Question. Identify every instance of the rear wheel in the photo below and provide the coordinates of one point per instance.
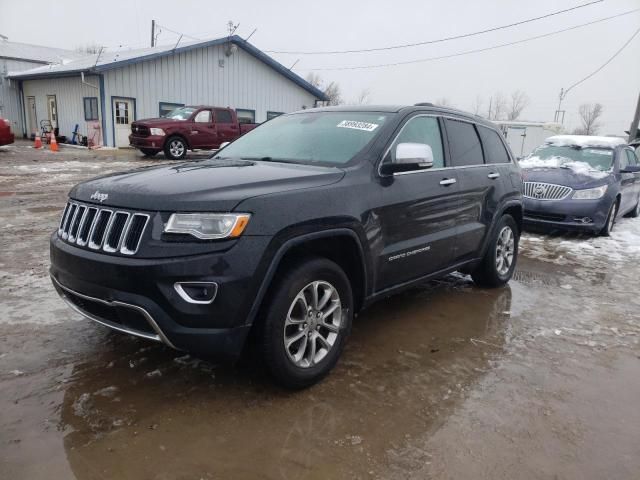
(497, 266)
(611, 220)
(307, 322)
(636, 211)
(175, 148)
(147, 152)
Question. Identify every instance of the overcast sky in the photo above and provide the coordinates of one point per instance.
(540, 67)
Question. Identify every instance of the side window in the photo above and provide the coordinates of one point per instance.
(632, 158)
(203, 117)
(464, 144)
(494, 149)
(245, 115)
(223, 116)
(422, 130)
(623, 160)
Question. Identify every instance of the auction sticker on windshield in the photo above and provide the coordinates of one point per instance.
(367, 127)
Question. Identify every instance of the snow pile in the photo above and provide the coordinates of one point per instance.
(581, 168)
(584, 141)
(620, 248)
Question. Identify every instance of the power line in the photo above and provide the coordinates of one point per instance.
(605, 63)
(177, 33)
(439, 40)
(477, 50)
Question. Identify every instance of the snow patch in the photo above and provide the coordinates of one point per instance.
(585, 141)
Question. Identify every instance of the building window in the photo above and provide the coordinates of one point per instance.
(90, 108)
(246, 116)
(166, 107)
(271, 115)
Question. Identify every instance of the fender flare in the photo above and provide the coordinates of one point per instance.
(176, 134)
(496, 218)
(275, 261)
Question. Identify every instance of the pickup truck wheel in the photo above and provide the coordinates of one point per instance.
(148, 152)
(497, 266)
(175, 148)
(307, 323)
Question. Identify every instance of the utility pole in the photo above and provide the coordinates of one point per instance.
(633, 130)
(559, 116)
(153, 33)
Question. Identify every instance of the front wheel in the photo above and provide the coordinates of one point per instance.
(175, 148)
(499, 262)
(307, 322)
(611, 220)
(147, 152)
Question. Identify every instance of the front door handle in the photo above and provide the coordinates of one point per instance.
(493, 175)
(447, 181)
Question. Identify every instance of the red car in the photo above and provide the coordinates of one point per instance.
(187, 128)
(6, 136)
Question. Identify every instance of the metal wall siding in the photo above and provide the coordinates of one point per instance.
(195, 78)
(69, 92)
(10, 107)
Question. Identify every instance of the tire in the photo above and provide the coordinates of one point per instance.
(495, 269)
(175, 148)
(635, 213)
(285, 322)
(148, 152)
(611, 220)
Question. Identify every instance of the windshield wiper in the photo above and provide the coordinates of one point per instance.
(269, 159)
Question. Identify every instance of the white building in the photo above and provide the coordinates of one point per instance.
(524, 137)
(104, 93)
(18, 57)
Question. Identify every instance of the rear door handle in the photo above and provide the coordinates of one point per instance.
(493, 175)
(447, 181)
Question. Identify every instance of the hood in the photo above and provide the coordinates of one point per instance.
(575, 178)
(208, 185)
(152, 122)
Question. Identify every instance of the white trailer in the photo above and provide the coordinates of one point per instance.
(524, 137)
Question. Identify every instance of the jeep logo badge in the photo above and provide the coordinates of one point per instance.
(101, 197)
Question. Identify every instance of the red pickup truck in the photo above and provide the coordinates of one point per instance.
(6, 136)
(187, 128)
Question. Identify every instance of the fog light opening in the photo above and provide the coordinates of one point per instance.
(202, 293)
(584, 220)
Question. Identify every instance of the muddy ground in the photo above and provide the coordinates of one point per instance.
(540, 379)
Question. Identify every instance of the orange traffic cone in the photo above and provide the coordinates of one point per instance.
(53, 145)
(38, 142)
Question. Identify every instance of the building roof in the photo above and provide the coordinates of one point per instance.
(109, 60)
(36, 53)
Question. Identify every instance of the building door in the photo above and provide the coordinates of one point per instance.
(52, 108)
(32, 117)
(123, 115)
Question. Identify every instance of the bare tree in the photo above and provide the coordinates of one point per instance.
(443, 102)
(497, 106)
(589, 115)
(518, 102)
(331, 90)
(363, 97)
(90, 48)
(476, 106)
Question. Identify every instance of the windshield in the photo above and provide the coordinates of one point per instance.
(182, 113)
(314, 137)
(597, 159)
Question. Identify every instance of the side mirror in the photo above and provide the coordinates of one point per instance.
(631, 169)
(410, 156)
(223, 144)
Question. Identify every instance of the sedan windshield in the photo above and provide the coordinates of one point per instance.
(313, 137)
(182, 113)
(598, 159)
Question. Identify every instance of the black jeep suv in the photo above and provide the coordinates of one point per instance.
(291, 230)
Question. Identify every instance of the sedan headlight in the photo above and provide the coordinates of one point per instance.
(590, 193)
(157, 131)
(208, 226)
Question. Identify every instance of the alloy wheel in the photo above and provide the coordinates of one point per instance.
(313, 323)
(176, 147)
(505, 248)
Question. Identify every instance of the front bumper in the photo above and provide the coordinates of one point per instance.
(569, 214)
(137, 296)
(152, 142)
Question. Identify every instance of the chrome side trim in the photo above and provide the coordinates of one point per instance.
(178, 287)
(159, 337)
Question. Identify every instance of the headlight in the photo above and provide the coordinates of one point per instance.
(590, 193)
(157, 131)
(208, 226)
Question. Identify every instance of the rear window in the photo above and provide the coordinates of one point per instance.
(464, 144)
(494, 149)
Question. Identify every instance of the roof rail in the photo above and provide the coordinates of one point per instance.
(424, 104)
